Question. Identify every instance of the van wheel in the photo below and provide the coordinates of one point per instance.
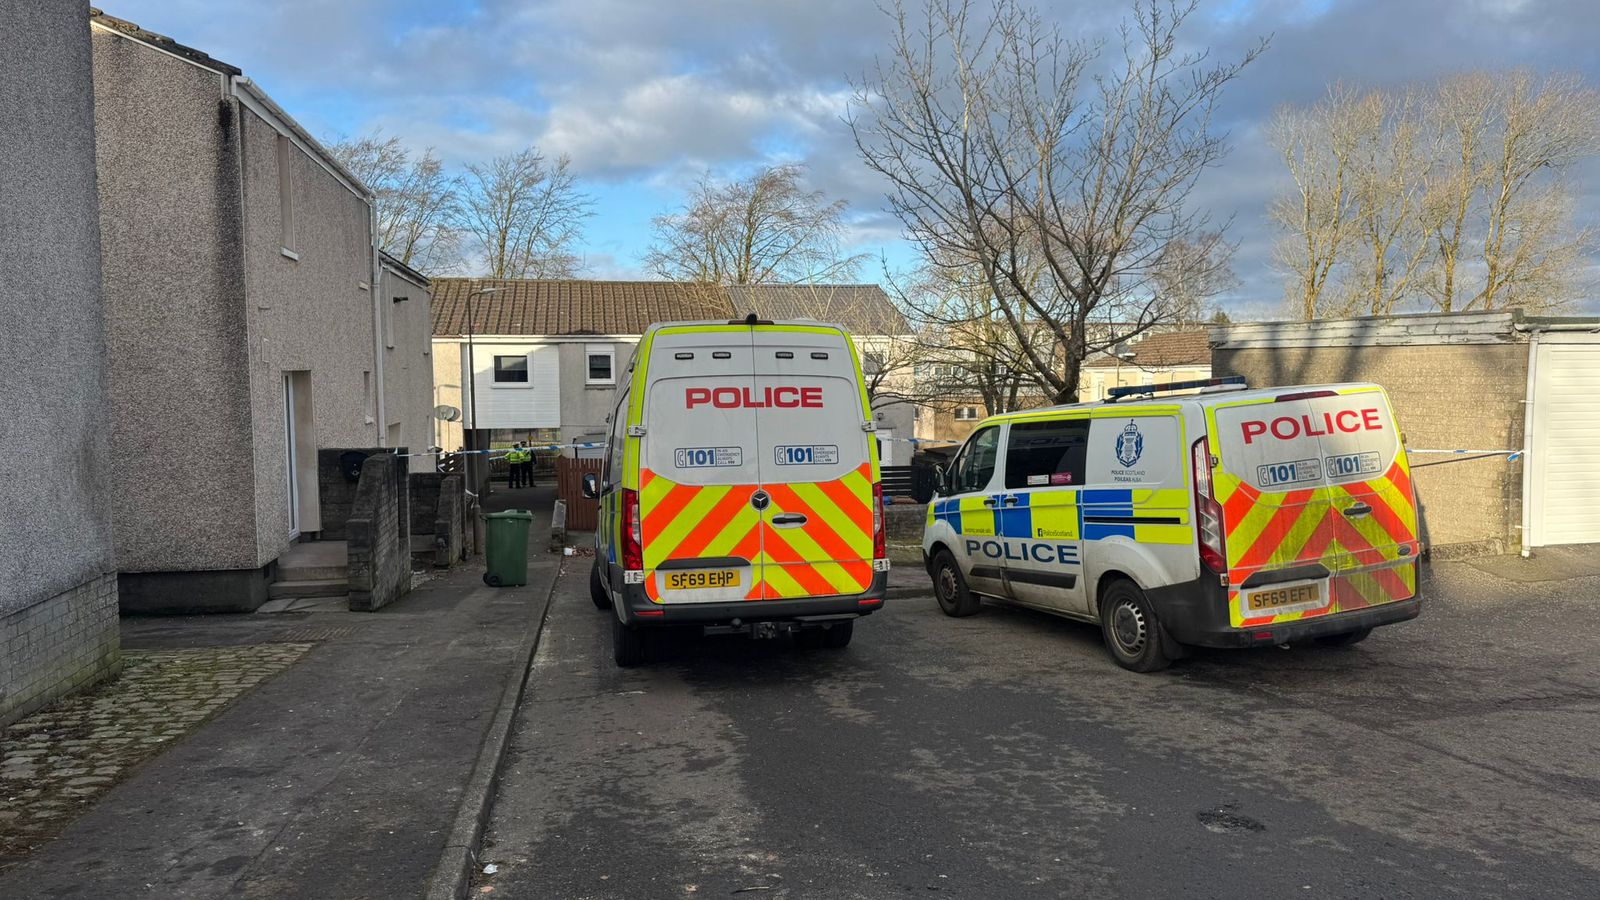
(597, 588)
(837, 636)
(1132, 633)
(1348, 639)
(627, 644)
(950, 588)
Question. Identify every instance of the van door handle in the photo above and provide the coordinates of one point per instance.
(788, 519)
(1357, 511)
(1011, 500)
(988, 501)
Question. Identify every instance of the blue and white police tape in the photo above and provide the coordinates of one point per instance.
(495, 453)
(1510, 455)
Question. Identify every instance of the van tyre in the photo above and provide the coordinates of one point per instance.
(597, 588)
(1133, 634)
(950, 587)
(837, 636)
(1347, 639)
(627, 644)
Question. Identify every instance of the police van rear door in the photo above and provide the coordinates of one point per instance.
(1316, 502)
(700, 467)
(818, 466)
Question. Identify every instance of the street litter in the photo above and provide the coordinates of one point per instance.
(490, 869)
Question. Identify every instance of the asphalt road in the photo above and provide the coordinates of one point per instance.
(1005, 756)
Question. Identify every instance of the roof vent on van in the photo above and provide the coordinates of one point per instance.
(1226, 383)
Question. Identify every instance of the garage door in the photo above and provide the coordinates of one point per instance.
(1564, 446)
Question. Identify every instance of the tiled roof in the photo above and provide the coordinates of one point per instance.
(571, 307)
(863, 309)
(99, 17)
(1174, 348)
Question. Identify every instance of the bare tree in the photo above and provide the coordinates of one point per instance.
(1316, 215)
(1530, 254)
(1455, 196)
(416, 201)
(1058, 190)
(757, 230)
(1190, 273)
(524, 215)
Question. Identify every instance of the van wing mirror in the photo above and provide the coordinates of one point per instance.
(941, 481)
(591, 485)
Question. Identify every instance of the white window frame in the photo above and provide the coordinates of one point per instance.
(499, 385)
(607, 350)
(972, 418)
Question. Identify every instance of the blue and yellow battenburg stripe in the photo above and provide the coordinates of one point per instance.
(1088, 514)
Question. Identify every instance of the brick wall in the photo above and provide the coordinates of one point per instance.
(58, 646)
(1446, 396)
(379, 534)
(436, 510)
(336, 496)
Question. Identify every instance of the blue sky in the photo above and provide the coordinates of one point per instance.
(645, 95)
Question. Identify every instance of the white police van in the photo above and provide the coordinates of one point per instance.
(1226, 518)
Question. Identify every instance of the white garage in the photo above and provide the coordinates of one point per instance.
(1562, 487)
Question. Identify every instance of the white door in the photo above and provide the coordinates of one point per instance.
(1564, 444)
(885, 438)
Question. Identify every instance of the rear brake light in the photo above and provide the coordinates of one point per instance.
(880, 540)
(1208, 513)
(632, 541)
(1304, 395)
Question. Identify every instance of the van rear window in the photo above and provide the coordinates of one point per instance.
(1045, 454)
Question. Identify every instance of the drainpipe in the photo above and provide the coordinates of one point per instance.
(377, 320)
(1527, 444)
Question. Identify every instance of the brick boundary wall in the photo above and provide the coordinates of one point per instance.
(449, 533)
(379, 535)
(58, 646)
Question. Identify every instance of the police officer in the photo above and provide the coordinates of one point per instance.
(514, 466)
(525, 464)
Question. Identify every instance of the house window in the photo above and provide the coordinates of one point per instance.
(511, 369)
(600, 364)
(966, 413)
(872, 362)
(286, 195)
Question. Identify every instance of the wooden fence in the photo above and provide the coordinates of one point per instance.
(583, 514)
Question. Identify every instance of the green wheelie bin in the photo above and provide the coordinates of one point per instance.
(506, 548)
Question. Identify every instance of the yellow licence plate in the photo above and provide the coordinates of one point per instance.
(1278, 598)
(709, 578)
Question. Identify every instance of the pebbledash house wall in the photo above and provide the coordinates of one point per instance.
(58, 597)
(408, 361)
(205, 314)
(1456, 382)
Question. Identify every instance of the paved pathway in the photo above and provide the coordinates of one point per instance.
(340, 777)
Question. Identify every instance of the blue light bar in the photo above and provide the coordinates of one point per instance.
(1139, 390)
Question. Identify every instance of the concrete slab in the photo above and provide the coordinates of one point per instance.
(1546, 564)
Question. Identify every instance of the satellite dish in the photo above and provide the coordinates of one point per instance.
(446, 413)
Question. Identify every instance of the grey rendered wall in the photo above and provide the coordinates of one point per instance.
(1466, 396)
(58, 602)
(182, 484)
(380, 535)
(408, 365)
(309, 314)
(584, 407)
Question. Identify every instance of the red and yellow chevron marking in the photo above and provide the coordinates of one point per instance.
(1373, 558)
(830, 554)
